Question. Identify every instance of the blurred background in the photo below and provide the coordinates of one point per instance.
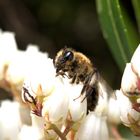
(52, 24)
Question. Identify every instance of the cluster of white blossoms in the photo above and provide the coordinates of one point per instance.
(47, 109)
(43, 106)
(130, 87)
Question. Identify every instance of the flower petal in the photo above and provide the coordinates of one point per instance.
(93, 128)
(129, 80)
(135, 60)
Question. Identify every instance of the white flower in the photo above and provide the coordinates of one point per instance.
(130, 87)
(29, 133)
(8, 48)
(35, 131)
(130, 84)
(113, 111)
(102, 105)
(55, 106)
(25, 64)
(43, 74)
(94, 127)
(17, 69)
(135, 60)
(7, 42)
(33, 50)
(77, 108)
(126, 109)
(10, 122)
(129, 80)
(37, 122)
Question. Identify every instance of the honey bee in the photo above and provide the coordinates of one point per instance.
(79, 68)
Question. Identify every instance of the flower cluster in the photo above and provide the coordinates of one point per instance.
(52, 99)
(46, 107)
(130, 87)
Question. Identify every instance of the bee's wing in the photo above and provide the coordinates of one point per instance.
(104, 88)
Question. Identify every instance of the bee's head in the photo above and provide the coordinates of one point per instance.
(63, 59)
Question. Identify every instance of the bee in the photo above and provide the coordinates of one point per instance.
(79, 68)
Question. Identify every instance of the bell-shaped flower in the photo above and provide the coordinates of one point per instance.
(113, 115)
(135, 61)
(130, 84)
(8, 48)
(102, 104)
(29, 133)
(93, 127)
(16, 70)
(55, 106)
(24, 64)
(131, 77)
(77, 107)
(129, 116)
(35, 131)
(36, 77)
(10, 121)
(129, 80)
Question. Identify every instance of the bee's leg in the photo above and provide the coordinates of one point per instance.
(90, 84)
(73, 79)
(92, 97)
(62, 73)
(84, 87)
(89, 91)
(77, 80)
(85, 84)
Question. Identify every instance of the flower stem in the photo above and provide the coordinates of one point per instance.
(115, 133)
(68, 127)
(57, 131)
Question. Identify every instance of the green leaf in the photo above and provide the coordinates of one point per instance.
(136, 5)
(119, 33)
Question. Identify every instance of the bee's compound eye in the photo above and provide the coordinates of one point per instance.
(68, 55)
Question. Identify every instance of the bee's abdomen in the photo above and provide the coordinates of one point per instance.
(92, 100)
